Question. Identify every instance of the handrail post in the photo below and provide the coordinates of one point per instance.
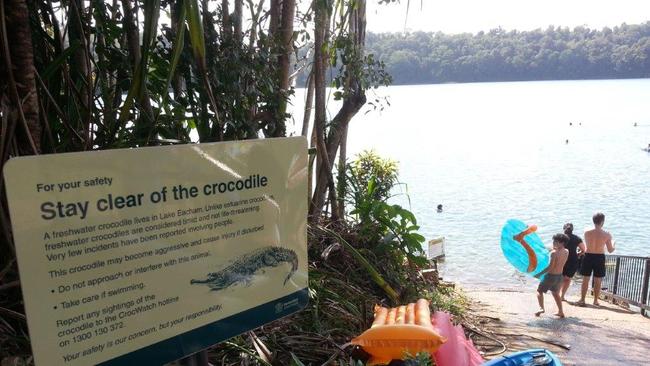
(616, 270)
(644, 288)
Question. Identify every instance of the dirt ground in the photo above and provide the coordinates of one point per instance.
(609, 335)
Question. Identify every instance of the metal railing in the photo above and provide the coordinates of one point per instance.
(627, 279)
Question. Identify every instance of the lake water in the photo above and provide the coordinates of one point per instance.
(493, 151)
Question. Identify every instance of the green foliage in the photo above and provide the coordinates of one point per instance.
(350, 61)
(393, 228)
(388, 233)
(421, 359)
(448, 299)
(400, 228)
(177, 83)
(363, 262)
(368, 182)
(351, 68)
(373, 176)
(556, 53)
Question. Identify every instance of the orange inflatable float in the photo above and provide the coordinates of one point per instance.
(395, 332)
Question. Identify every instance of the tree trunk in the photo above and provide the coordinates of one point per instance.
(274, 17)
(320, 114)
(285, 37)
(356, 96)
(341, 172)
(256, 12)
(309, 102)
(237, 19)
(305, 130)
(324, 179)
(80, 63)
(21, 109)
(310, 167)
(225, 17)
(177, 79)
(354, 100)
(132, 33)
(145, 119)
(286, 41)
(210, 32)
(339, 126)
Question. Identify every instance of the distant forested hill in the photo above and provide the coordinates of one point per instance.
(553, 54)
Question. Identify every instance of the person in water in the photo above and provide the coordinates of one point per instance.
(439, 208)
(571, 265)
(594, 260)
(553, 278)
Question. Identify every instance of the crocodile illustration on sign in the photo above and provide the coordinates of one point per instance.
(242, 269)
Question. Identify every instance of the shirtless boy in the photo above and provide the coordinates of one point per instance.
(553, 278)
(594, 261)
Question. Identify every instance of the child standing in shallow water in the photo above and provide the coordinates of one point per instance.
(553, 279)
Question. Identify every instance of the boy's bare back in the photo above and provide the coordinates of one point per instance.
(558, 259)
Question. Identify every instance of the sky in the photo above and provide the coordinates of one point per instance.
(459, 16)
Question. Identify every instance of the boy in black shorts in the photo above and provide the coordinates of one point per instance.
(597, 240)
(553, 278)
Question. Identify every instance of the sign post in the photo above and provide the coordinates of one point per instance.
(144, 256)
